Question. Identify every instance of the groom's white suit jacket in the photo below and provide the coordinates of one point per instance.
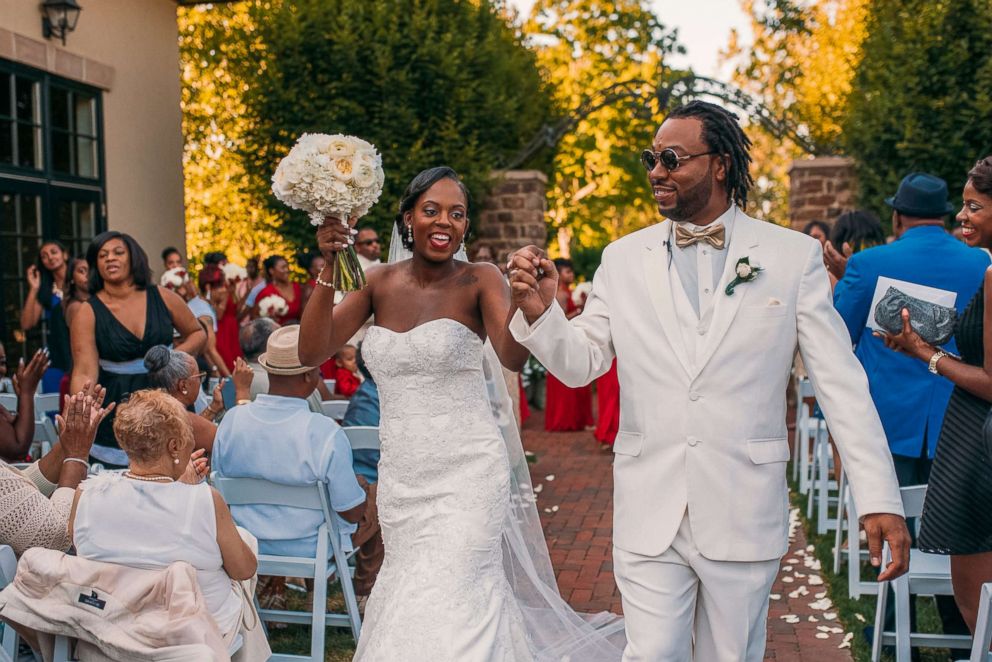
(710, 435)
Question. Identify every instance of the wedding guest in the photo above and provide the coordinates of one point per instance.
(853, 231)
(277, 273)
(363, 410)
(17, 428)
(6, 386)
(566, 409)
(607, 407)
(246, 286)
(215, 258)
(276, 437)
(48, 280)
(368, 247)
(910, 400)
(177, 374)
(224, 301)
(35, 501)
(177, 280)
(818, 230)
(156, 513)
(346, 375)
(79, 288)
(483, 252)
(956, 518)
(254, 337)
(172, 258)
(125, 316)
(313, 263)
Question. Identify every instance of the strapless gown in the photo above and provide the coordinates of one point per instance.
(444, 494)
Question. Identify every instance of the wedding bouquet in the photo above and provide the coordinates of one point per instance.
(174, 278)
(332, 176)
(273, 306)
(581, 293)
(234, 272)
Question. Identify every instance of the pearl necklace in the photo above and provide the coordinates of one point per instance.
(151, 479)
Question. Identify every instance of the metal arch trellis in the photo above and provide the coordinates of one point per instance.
(634, 92)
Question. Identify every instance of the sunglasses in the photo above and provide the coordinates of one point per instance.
(367, 242)
(666, 157)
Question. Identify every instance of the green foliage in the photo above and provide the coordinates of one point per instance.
(923, 94)
(599, 190)
(429, 82)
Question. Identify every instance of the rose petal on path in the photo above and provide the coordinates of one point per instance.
(822, 635)
(788, 580)
(775, 596)
(815, 580)
(549, 477)
(538, 488)
(860, 617)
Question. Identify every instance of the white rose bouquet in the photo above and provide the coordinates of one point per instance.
(174, 278)
(273, 306)
(332, 176)
(234, 272)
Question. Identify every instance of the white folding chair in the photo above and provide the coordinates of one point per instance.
(212, 384)
(983, 628)
(9, 402)
(330, 384)
(8, 568)
(363, 437)
(929, 574)
(253, 491)
(804, 389)
(46, 403)
(856, 587)
(334, 408)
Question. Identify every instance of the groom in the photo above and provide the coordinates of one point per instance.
(704, 312)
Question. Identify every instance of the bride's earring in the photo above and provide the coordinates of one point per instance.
(409, 234)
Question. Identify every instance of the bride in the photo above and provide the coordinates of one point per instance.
(466, 575)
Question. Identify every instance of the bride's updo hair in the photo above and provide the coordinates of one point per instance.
(417, 187)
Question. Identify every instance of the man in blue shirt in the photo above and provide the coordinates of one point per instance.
(910, 400)
(363, 409)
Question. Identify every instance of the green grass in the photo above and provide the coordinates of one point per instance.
(339, 645)
(848, 609)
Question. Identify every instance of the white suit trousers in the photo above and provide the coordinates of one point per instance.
(680, 597)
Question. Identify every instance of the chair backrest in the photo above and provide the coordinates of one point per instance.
(334, 408)
(9, 402)
(363, 437)
(45, 403)
(912, 499)
(805, 388)
(983, 627)
(8, 565)
(330, 384)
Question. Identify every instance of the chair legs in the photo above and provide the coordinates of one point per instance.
(841, 512)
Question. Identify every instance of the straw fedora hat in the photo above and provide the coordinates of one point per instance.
(281, 355)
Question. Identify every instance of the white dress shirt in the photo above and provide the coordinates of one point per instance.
(700, 266)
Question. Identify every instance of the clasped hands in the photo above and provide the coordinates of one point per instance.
(533, 281)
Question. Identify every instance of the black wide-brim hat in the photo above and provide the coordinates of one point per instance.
(921, 195)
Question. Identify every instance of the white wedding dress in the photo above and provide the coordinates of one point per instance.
(463, 579)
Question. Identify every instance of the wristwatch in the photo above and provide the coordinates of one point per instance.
(938, 355)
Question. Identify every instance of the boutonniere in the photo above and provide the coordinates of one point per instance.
(746, 272)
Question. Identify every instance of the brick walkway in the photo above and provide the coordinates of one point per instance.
(575, 482)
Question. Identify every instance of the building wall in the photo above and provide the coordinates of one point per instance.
(130, 49)
(513, 214)
(820, 189)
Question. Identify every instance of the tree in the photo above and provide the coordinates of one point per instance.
(429, 82)
(599, 190)
(800, 66)
(922, 97)
(221, 210)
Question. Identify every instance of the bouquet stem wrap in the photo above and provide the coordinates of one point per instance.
(348, 273)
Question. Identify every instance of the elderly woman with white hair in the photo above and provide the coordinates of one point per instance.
(176, 373)
(146, 517)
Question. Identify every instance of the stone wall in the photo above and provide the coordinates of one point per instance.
(820, 189)
(512, 215)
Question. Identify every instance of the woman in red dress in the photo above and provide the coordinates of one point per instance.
(277, 271)
(224, 298)
(566, 409)
(608, 407)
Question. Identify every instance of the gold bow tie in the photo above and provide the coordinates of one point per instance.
(714, 235)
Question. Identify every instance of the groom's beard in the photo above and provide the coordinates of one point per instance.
(690, 202)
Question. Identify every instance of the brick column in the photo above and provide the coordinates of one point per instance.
(512, 215)
(820, 189)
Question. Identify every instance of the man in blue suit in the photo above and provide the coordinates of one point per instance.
(910, 400)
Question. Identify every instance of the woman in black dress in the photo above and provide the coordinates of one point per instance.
(124, 317)
(957, 514)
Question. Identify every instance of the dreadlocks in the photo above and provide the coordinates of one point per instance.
(723, 135)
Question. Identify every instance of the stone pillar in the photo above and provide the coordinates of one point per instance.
(820, 188)
(512, 215)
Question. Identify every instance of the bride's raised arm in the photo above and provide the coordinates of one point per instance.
(494, 302)
(326, 327)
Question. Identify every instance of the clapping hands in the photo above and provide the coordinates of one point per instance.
(79, 420)
(533, 281)
(28, 375)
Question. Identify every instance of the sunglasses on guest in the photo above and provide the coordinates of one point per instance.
(668, 157)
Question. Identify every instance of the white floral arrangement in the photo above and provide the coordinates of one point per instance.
(332, 175)
(174, 278)
(581, 293)
(273, 306)
(234, 272)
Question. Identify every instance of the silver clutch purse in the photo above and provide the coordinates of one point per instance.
(934, 323)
